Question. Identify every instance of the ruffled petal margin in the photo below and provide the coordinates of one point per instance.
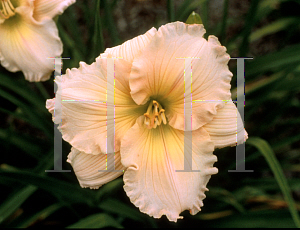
(131, 48)
(226, 128)
(50, 8)
(83, 110)
(87, 166)
(158, 73)
(151, 158)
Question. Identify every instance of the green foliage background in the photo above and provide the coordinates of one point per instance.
(268, 197)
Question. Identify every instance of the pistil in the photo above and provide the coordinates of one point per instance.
(155, 115)
(8, 9)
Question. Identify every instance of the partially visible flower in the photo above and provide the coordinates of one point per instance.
(149, 117)
(29, 36)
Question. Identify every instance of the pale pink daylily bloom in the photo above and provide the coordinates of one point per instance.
(149, 117)
(29, 36)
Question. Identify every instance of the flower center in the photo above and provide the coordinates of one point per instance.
(155, 115)
(8, 9)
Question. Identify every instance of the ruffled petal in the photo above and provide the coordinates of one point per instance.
(50, 8)
(226, 128)
(26, 45)
(158, 73)
(87, 166)
(151, 157)
(83, 110)
(50, 104)
(131, 48)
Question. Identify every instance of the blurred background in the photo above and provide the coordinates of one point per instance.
(267, 30)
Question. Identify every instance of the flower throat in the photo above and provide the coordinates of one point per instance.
(155, 115)
(8, 9)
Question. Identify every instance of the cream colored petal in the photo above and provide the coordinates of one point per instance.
(159, 73)
(151, 157)
(87, 166)
(131, 48)
(226, 128)
(26, 45)
(83, 109)
(50, 8)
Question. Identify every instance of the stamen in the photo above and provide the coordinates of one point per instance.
(155, 107)
(154, 115)
(159, 119)
(155, 123)
(8, 9)
(10, 5)
(163, 116)
(150, 107)
(147, 119)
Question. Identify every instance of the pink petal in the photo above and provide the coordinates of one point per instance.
(84, 120)
(226, 128)
(50, 8)
(87, 166)
(158, 73)
(151, 158)
(131, 48)
(27, 45)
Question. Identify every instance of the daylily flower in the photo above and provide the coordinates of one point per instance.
(149, 117)
(29, 36)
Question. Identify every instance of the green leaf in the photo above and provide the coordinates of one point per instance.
(23, 142)
(254, 219)
(227, 197)
(21, 89)
(280, 24)
(266, 150)
(69, 192)
(73, 30)
(109, 188)
(194, 18)
(258, 84)
(98, 40)
(13, 203)
(69, 42)
(17, 198)
(273, 61)
(27, 221)
(42, 90)
(117, 207)
(203, 11)
(110, 23)
(36, 119)
(185, 9)
(171, 10)
(224, 22)
(266, 7)
(99, 220)
(249, 23)
(270, 184)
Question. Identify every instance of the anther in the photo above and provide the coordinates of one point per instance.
(161, 111)
(8, 9)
